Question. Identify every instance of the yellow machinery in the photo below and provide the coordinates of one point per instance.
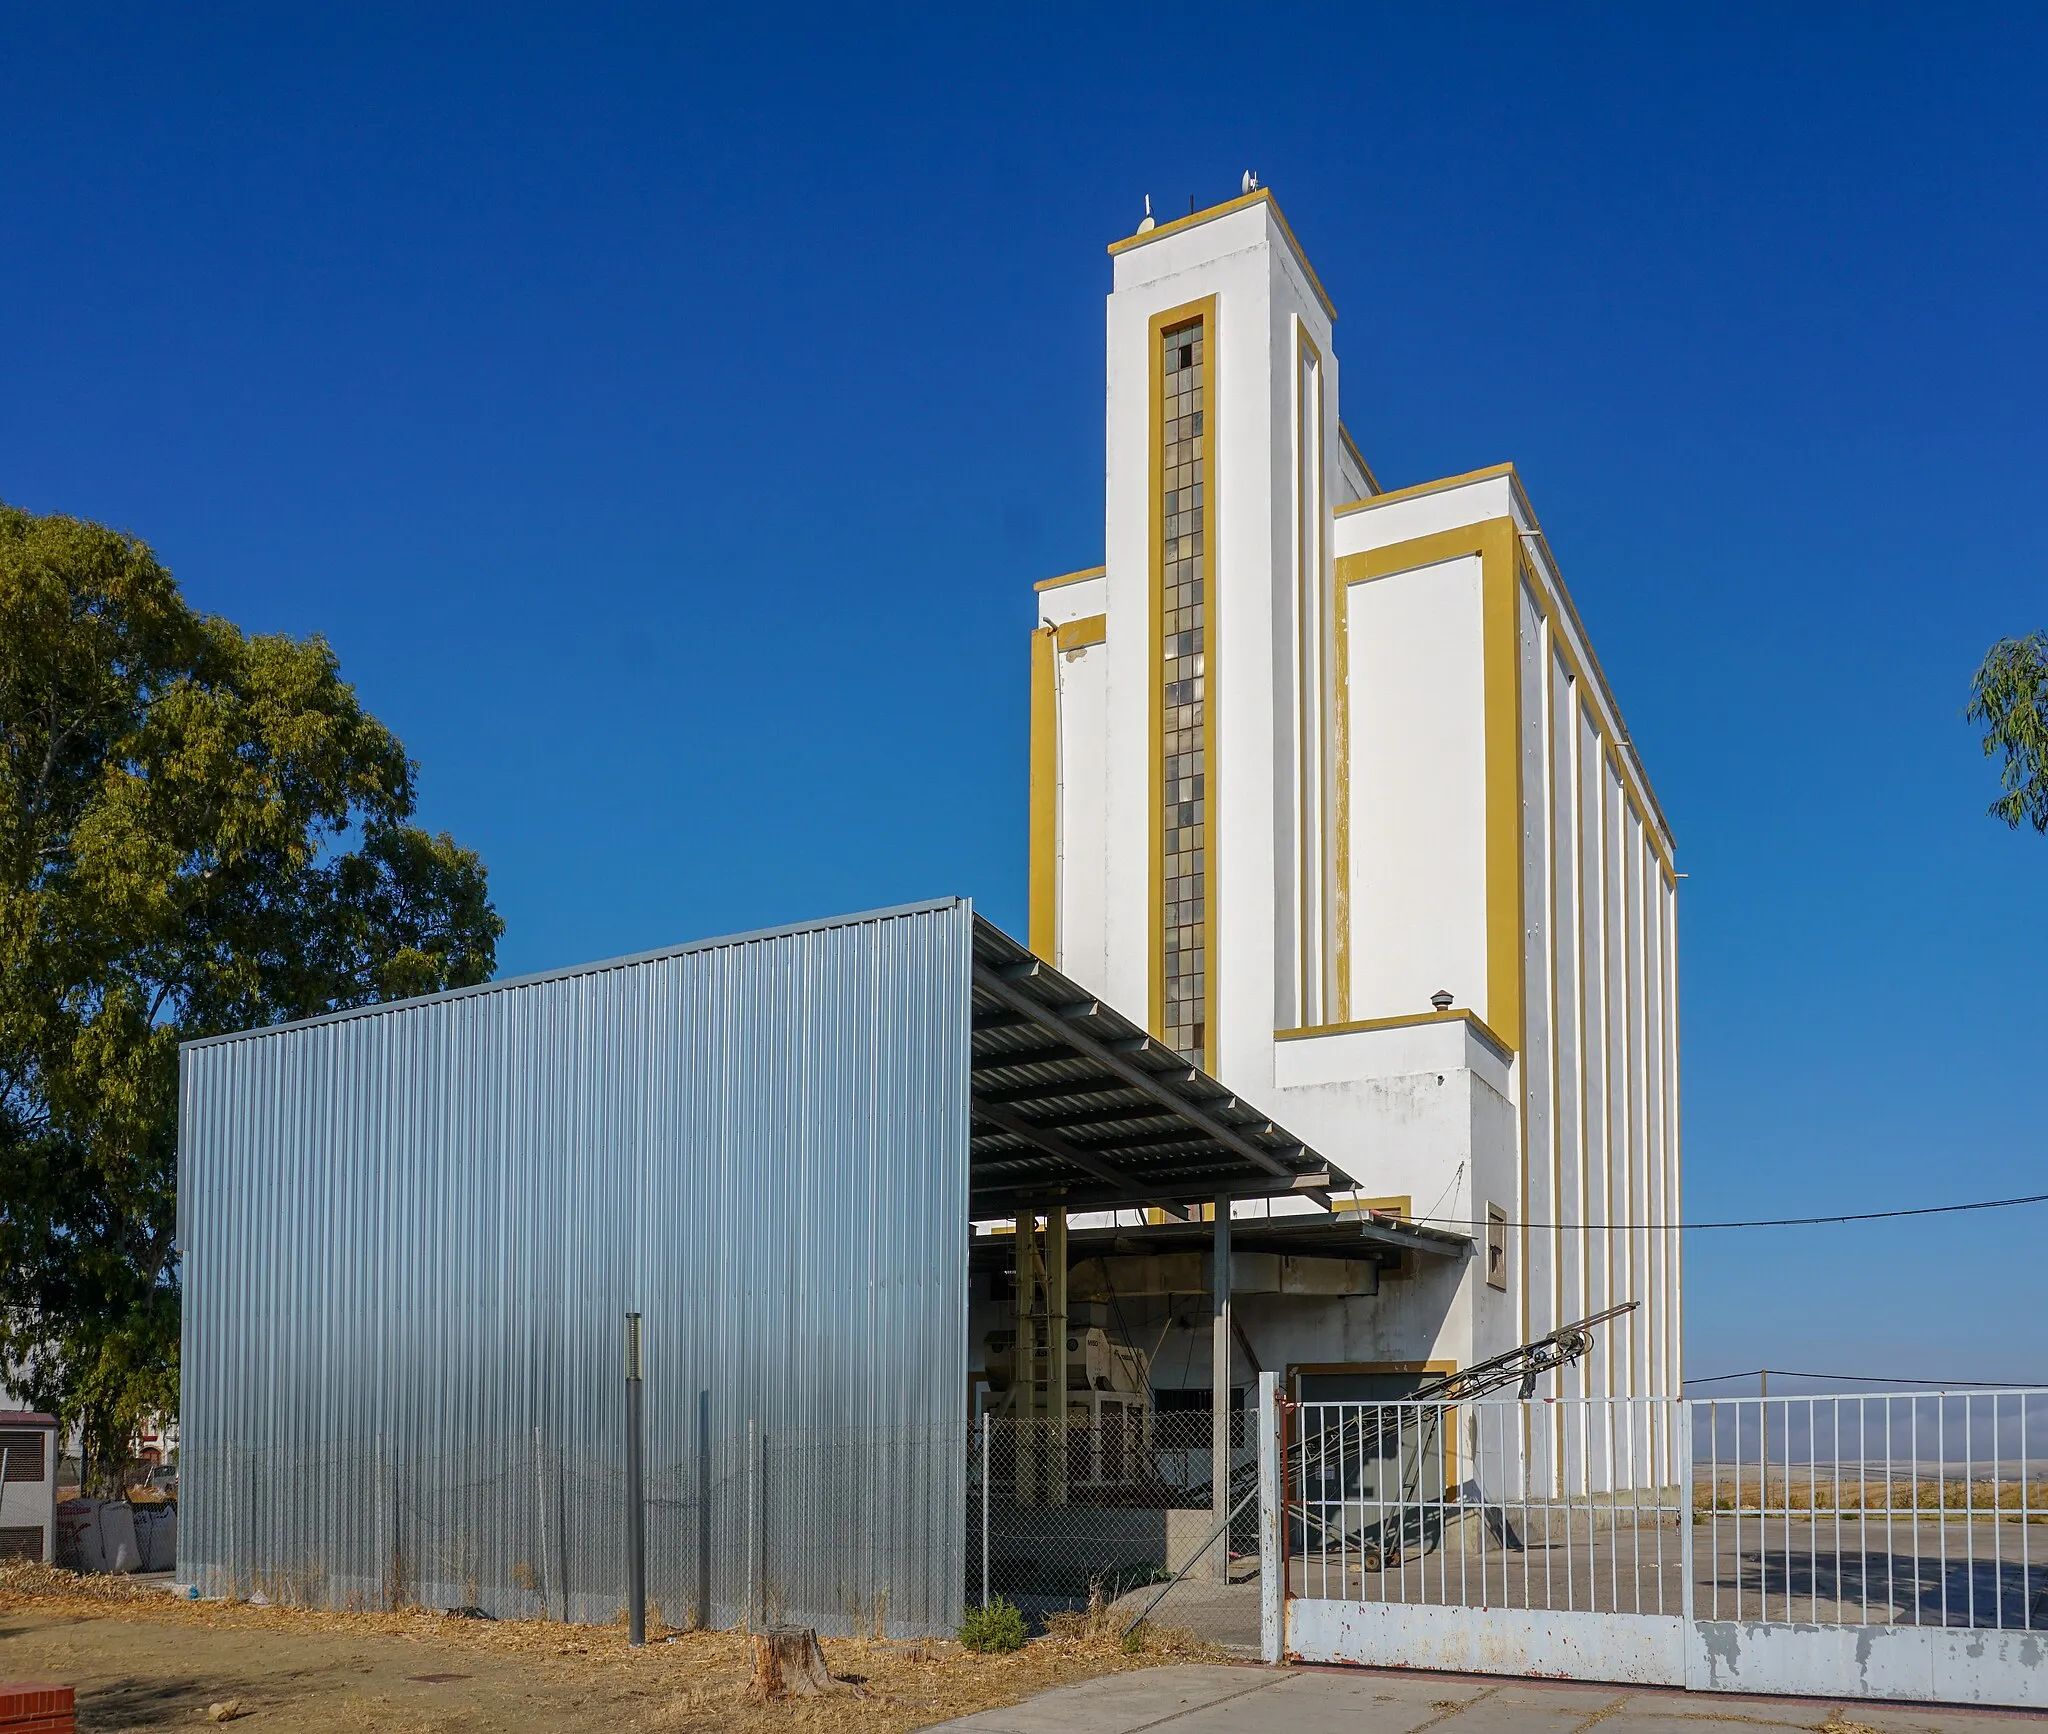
(1079, 1403)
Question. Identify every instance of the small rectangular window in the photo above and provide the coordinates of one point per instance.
(1496, 1247)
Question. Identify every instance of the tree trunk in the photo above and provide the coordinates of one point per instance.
(787, 1661)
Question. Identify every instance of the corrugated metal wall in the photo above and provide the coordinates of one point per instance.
(410, 1236)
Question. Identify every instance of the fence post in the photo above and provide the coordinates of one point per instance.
(562, 1524)
(1686, 1526)
(1272, 1587)
(757, 1462)
(703, 1619)
(540, 1495)
(636, 1493)
(987, 1424)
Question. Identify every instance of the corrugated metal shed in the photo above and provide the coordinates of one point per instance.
(410, 1234)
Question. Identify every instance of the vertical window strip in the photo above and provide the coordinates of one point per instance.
(1184, 568)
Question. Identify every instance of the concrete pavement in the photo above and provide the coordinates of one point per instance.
(1252, 1700)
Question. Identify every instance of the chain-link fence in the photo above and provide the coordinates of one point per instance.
(852, 1531)
(886, 1532)
(1078, 1519)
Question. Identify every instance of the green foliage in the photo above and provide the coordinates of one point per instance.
(994, 1627)
(2009, 697)
(200, 831)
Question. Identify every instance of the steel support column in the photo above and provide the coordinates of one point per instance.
(1219, 1383)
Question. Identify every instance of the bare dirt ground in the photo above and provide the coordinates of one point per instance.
(144, 1661)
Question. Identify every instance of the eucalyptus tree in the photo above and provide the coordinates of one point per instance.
(201, 830)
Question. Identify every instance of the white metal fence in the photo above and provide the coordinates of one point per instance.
(1914, 1509)
(1888, 1509)
(1571, 1505)
(1855, 1546)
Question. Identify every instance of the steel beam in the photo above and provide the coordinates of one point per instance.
(1137, 1076)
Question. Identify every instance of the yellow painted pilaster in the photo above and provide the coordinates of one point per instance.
(1043, 895)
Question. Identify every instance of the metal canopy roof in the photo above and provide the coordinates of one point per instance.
(1074, 1104)
(1346, 1234)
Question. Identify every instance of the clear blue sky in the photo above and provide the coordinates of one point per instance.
(665, 417)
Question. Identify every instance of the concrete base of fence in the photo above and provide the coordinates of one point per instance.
(1185, 1532)
(1914, 1664)
(1926, 1664)
(1635, 1649)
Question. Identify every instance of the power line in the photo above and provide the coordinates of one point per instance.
(1753, 1222)
(1875, 1379)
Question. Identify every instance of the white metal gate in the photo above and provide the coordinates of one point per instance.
(1874, 1546)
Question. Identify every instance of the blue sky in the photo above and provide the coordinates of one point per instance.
(665, 417)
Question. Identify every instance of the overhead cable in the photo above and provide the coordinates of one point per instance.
(1749, 1222)
(1874, 1379)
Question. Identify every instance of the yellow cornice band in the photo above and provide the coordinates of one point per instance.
(1411, 1020)
(1358, 457)
(1586, 667)
(1079, 634)
(1491, 473)
(1080, 577)
(1042, 904)
(1245, 201)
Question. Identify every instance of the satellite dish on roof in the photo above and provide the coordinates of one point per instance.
(1146, 221)
(1250, 183)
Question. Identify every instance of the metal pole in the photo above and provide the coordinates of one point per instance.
(987, 1423)
(636, 1493)
(768, 1615)
(1763, 1415)
(540, 1498)
(703, 1619)
(1219, 1383)
(753, 1522)
(1687, 1541)
(562, 1524)
(1056, 1354)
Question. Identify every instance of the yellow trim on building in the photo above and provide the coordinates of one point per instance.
(1406, 1020)
(1194, 219)
(1155, 1017)
(1043, 901)
(1312, 792)
(1589, 670)
(1493, 541)
(1357, 457)
(1418, 489)
(1375, 1369)
(1401, 1207)
(1080, 577)
(1079, 634)
(1552, 590)
(1501, 655)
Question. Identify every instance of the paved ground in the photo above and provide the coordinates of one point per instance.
(1250, 1700)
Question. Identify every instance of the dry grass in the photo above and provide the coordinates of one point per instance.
(2008, 1501)
(679, 1681)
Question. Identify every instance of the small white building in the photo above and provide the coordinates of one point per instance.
(1329, 780)
(28, 1485)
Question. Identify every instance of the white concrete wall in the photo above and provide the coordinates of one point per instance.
(1081, 700)
(1416, 765)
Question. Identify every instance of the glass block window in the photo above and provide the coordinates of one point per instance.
(1183, 818)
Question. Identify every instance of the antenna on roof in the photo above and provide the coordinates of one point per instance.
(1145, 222)
(1250, 184)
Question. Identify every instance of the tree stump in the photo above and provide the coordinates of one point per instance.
(788, 1663)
